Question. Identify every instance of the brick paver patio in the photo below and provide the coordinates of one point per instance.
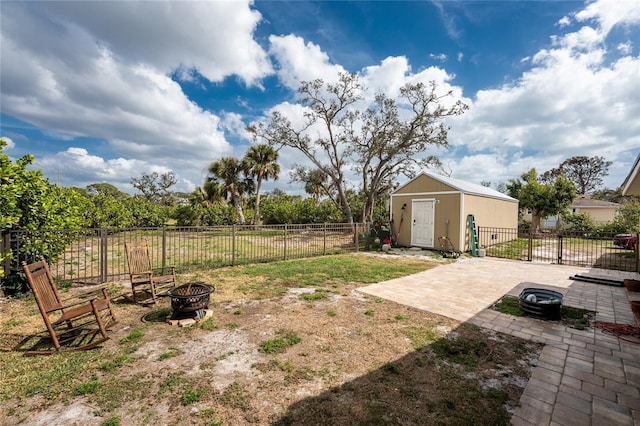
(583, 377)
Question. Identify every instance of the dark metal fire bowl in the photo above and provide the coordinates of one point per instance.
(541, 303)
(190, 297)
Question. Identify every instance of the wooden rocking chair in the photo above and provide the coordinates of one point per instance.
(143, 274)
(82, 321)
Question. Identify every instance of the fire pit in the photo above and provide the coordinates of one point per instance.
(541, 303)
(190, 299)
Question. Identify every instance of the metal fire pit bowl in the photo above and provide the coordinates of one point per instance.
(190, 297)
(541, 303)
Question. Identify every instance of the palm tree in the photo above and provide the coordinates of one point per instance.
(261, 162)
(227, 177)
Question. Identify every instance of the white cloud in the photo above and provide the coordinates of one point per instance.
(89, 69)
(460, 56)
(214, 37)
(438, 57)
(610, 13)
(625, 48)
(564, 21)
(570, 103)
(300, 61)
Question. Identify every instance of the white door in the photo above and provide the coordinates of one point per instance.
(422, 214)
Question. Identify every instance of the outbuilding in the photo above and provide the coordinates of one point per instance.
(431, 206)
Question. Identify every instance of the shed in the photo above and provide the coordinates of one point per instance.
(431, 206)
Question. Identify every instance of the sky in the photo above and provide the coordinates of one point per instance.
(105, 91)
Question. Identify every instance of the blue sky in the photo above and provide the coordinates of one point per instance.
(106, 91)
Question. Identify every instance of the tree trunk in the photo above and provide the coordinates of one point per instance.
(535, 222)
(256, 212)
(237, 201)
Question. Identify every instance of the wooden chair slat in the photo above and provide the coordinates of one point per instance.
(85, 321)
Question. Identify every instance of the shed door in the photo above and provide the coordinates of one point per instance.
(423, 212)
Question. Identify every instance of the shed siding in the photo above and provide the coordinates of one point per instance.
(490, 213)
(424, 185)
(451, 210)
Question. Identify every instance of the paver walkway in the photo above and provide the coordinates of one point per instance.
(583, 377)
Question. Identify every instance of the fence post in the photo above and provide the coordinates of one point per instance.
(356, 237)
(164, 246)
(233, 244)
(285, 242)
(559, 249)
(530, 248)
(324, 238)
(103, 254)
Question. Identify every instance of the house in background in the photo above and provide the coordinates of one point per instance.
(599, 211)
(431, 206)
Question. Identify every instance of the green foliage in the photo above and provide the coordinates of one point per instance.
(87, 387)
(205, 215)
(317, 295)
(28, 201)
(544, 199)
(111, 421)
(191, 395)
(577, 222)
(133, 336)
(288, 209)
(628, 218)
(279, 344)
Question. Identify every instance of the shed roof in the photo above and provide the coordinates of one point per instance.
(631, 184)
(464, 187)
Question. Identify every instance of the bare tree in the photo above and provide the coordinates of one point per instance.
(585, 172)
(378, 143)
(155, 186)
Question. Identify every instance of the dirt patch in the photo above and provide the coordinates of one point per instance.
(359, 360)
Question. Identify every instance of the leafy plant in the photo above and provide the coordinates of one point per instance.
(280, 344)
(191, 395)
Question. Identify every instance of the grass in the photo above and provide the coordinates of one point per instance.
(172, 352)
(514, 249)
(191, 395)
(421, 336)
(126, 374)
(274, 279)
(318, 294)
(280, 344)
(570, 316)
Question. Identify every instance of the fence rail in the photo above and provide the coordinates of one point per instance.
(569, 248)
(98, 255)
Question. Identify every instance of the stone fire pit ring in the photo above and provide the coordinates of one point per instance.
(541, 303)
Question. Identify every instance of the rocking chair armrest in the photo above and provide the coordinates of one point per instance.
(99, 292)
(163, 269)
(68, 305)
